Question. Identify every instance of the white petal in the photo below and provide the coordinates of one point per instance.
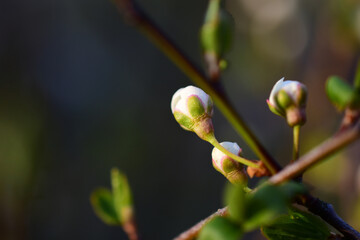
(278, 85)
(175, 99)
(232, 147)
(293, 88)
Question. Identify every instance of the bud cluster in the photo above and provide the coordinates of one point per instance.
(193, 109)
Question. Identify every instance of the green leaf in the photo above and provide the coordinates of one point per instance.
(261, 206)
(122, 196)
(268, 201)
(264, 206)
(297, 225)
(291, 189)
(341, 94)
(235, 200)
(102, 202)
(220, 229)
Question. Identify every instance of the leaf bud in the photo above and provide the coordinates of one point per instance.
(288, 99)
(193, 109)
(342, 94)
(122, 197)
(231, 169)
(216, 35)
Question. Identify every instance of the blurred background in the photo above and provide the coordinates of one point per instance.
(82, 92)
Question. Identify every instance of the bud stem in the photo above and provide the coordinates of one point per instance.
(296, 136)
(239, 159)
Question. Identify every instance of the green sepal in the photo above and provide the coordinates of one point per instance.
(184, 121)
(122, 196)
(220, 228)
(297, 225)
(195, 106)
(102, 202)
(342, 94)
(229, 165)
(283, 100)
(274, 110)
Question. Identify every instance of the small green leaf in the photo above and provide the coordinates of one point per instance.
(297, 225)
(122, 196)
(102, 202)
(220, 229)
(264, 206)
(235, 200)
(341, 94)
(268, 201)
(291, 189)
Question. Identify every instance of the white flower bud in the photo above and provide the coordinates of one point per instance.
(288, 99)
(193, 109)
(230, 168)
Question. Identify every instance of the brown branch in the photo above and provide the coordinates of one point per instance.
(327, 148)
(194, 231)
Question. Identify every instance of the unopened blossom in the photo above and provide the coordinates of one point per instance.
(231, 169)
(193, 109)
(288, 99)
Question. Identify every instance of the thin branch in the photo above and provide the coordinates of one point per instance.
(131, 230)
(351, 117)
(328, 214)
(194, 231)
(324, 150)
(135, 16)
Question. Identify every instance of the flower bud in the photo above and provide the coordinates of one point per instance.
(193, 109)
(231, 169)
(288, 99)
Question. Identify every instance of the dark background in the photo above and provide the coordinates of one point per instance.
(82, 92)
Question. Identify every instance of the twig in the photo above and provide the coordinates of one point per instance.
(327, 148)
(130, 229)
(194, 231)
(351, 117)
(328, 214)
(135, 16)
